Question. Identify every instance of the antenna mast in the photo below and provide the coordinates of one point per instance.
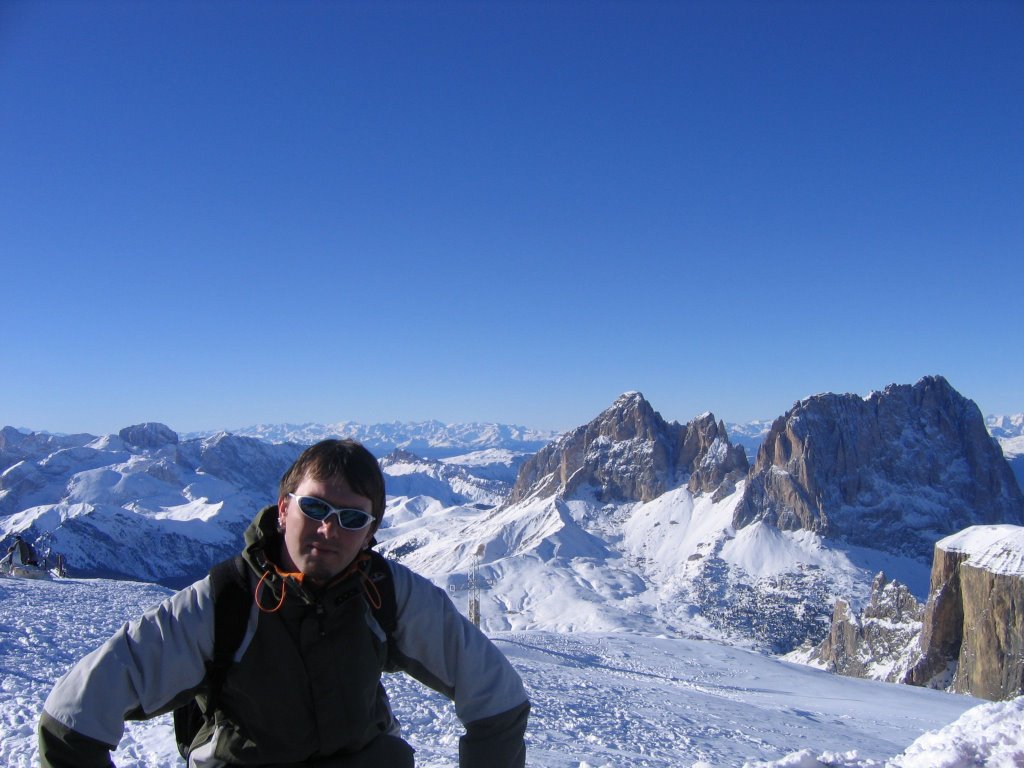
(474, 587)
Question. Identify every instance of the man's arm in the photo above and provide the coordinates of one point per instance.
(442, 649)
(137, 673)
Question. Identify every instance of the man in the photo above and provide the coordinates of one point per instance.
(304, 688)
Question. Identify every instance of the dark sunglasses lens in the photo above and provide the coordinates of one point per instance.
(353, 518)
(314, 508)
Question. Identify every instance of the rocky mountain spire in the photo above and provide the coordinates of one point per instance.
(630, 453)
(896, 470)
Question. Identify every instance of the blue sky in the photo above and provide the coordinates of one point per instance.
(219, 214)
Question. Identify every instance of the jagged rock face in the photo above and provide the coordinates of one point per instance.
(973, 638)
(992, 655)
(630, 453)
(881, 643)
(897, 470)
(717, 464)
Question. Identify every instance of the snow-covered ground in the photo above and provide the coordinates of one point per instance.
(600, 700)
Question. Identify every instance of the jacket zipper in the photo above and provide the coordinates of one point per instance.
(320, 614)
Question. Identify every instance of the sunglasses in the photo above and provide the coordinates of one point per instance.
(349, 518)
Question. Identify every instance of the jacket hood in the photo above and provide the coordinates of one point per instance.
(262, 540)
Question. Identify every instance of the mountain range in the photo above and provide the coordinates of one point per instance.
(746, 534)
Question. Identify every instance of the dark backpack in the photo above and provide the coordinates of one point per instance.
(232, 603)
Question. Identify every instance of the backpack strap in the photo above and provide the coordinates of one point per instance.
(231, 605)
(386, 615)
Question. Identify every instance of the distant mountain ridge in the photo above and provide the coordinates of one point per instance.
(140, 504)
(1006, 426)
(630, 517)
(429, 439)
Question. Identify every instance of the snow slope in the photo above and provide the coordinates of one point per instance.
(600, 700)
(673, 566)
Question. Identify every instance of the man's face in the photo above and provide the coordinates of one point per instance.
(321, 550)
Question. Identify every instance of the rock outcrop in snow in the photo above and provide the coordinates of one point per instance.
(968, 638)
(149, 435)
(973, 635)
(880, 643)
(895, 471)
(630, 453)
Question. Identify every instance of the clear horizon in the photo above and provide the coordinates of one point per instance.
(218, 215)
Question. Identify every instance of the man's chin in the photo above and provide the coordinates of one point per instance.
(322, 567)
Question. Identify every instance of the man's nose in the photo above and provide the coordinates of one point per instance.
(329, 525)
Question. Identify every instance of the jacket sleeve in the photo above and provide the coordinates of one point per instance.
(60, 747)
(497, 740)
(442, 649)
(135, 674)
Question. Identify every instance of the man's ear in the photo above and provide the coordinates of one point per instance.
(282, 511)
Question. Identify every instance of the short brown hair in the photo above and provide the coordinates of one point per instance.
(339, 458)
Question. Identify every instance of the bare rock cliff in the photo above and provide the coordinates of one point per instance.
(968, 638)
(896, 470)
(973, 635)
(630, 453)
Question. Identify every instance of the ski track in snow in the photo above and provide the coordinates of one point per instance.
(599, 700)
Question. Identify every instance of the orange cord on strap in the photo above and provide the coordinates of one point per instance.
(256, 595)
(374, 597)
(369, 587)
(284, 589)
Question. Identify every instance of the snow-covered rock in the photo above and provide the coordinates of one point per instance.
(628, 519)
(143, 504)
(749, 435)
(1005, 426)
(968, 638)
(140, 504)
(630, 453)
(1009, 431)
